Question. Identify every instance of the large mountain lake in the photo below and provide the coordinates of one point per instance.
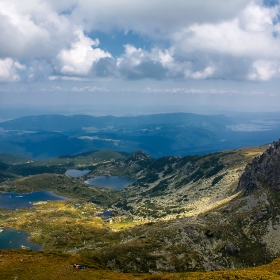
(15, 239)
(112, 182)
(76, 173)
(17, 200)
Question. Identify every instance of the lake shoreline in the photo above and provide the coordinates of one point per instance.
(116, 183)
(13, 201)
(12, 238)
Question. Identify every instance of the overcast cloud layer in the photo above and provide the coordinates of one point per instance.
(198, 40)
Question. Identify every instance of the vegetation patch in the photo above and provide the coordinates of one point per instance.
(217, 179)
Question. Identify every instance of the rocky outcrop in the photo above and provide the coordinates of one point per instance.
(263, 170)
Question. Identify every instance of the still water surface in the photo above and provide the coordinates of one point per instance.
(17, 200)
(76, 173)
(111, 182)
(15, 239)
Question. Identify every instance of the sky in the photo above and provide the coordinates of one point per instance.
(124, 57)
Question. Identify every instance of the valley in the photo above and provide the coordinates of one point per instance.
(182, 214)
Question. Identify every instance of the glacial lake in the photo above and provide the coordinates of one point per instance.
(16, 239)
(17, 200)
(112, 182)
(105, 214)
(76, 173)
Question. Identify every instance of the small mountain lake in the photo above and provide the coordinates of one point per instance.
(16, 239)
(105, 214)
(17, 200)
(76, 173)
(112, 182)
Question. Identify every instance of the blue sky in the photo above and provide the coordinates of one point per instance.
(133, 57)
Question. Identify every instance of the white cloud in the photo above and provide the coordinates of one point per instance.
(264, 70)
(233, 39)
(91, 89)
(231, 47)
(8, 70)
(198, 75)
(31, 29)
(155, 18)
(79, 58)
(242, 36)
(256, 18)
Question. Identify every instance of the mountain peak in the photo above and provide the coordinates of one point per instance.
(264, 170)
(139, 155)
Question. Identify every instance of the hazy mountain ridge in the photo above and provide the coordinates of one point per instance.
(76, 122)
(158, 135)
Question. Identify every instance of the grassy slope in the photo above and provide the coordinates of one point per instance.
(62, 185)
(29, 265)
(62, 226)
(13, 159)
(89, 160)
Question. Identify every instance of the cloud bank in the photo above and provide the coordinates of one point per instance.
(206, 39)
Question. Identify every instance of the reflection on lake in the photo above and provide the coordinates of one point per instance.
(76, 173)
(15, 239)
(16, 200)
(112, 182)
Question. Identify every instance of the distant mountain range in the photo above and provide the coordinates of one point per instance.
(158, 135)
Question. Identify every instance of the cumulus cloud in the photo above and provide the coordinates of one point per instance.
(250, 34)
(105, 67)
(9, 70)
(233, 39)
(137, 63)
(79, 58)
(32, 30)
(248, 38)
(198, 75)
(155, 18)
(264, 70)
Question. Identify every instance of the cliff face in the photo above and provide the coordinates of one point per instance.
(264, 170)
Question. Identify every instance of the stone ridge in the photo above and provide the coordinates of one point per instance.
(263, 170)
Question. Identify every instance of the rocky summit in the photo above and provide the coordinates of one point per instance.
(263, 170)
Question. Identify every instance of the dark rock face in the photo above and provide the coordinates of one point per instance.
(231, 249)
(209, 233)
(263, 169)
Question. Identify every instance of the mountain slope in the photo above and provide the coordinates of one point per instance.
(240, 231)
(182, 214)
(172, 186)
